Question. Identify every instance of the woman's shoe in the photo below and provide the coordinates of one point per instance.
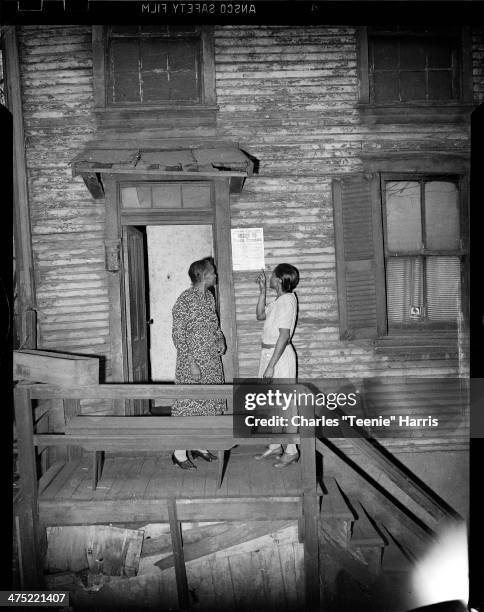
(185, 465)
(208, 456)
(285, 460)
(267, 454)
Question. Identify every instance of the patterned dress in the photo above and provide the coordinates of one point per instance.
(196, 332)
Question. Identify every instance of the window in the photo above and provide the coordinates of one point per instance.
(401, 253)
(148, 77)
(152, 64)
(423, 251)
(426, 70)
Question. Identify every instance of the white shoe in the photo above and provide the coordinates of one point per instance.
(286, 459)
(267, 454)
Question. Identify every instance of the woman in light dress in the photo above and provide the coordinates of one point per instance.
(278, 357)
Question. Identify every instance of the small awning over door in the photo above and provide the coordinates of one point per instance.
(208, 160)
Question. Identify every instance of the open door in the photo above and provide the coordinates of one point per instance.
(137, 349)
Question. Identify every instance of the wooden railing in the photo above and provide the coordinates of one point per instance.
(28, 440)
(31, 530)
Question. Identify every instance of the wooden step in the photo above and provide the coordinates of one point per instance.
(334, 504)
(365, 533)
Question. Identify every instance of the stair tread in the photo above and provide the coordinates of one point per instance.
(333, 504)
(364, 533)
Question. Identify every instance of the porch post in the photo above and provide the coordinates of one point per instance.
(30, 550)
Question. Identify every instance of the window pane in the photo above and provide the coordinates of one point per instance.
(183, 55)
(403, 217)
(183, 86)
(155, 86)
(439, 54)
(385, 54)
(412, 85)
(154, 55)
(196, 196)
(440, 85)
(126, 88)
(129, 197)
(404, 289)
(167, 196)
(386, 87)
(442, 224)
(124, 55)
(144, 196)
(412, 55)
(443, 288)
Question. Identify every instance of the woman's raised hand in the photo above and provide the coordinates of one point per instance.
(261, 279)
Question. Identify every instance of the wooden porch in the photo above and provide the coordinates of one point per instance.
(144, 483)
(138, 484)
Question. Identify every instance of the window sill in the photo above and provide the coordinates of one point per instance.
(135, 119)
(371, 114)
(419, 345)
(138, 108)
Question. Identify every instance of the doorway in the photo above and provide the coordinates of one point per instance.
(156, 262)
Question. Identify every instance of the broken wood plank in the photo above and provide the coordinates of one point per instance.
(229, 536)
(57, 368)
(179, 561)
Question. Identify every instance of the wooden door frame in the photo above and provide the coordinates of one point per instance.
(220, 221)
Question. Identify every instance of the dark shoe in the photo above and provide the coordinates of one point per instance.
(269, 453)
(208, 456)
(286, 460)
(185, 465)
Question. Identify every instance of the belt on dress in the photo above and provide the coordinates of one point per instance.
(268, 346)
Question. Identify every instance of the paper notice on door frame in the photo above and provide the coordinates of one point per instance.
(248, 248)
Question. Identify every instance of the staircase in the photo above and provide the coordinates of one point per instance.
(364, 567)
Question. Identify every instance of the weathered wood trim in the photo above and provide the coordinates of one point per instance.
(417, 162)
(21, 207)
(340, 254)
(113, 233)
(226, 282)
(466, 67)
(371, 114)
(101, 512)
(179, 560)
(131, 391)
(209, 95)
(27, 505)
(155, 217)
(311, 521)
(380, 285)
(72, 408)
(363, 72)
(98, 66)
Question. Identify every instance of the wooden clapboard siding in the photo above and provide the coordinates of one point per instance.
(67, 223)
(288, 95)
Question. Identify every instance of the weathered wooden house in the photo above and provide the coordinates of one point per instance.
(138, 149)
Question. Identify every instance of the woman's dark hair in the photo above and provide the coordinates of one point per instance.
(289, 276)
(198, 268)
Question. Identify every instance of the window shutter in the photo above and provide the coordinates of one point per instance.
(359, 256)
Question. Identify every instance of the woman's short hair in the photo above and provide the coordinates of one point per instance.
(198, 268)
(289, 276)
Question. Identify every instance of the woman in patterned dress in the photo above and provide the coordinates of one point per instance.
(199, 342)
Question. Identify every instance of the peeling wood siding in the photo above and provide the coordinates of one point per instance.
(67, 224)
(288, 95)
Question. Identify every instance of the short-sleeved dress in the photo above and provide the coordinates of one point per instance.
(195, 333)
(281, 313)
